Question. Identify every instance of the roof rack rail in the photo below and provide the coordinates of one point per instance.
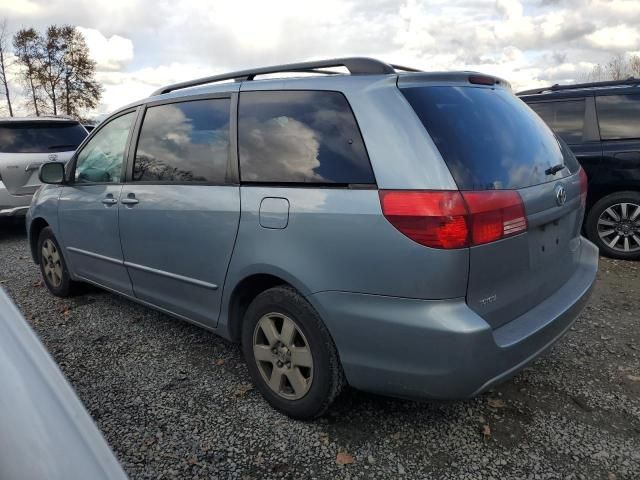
(355, 65)
(554, 88)
(405, 69)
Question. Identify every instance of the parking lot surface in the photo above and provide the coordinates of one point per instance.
(175, 401)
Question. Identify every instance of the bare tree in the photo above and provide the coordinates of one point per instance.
(27, 49)
(634, 66)
(597, 74)
(5, 64)
(617, 68)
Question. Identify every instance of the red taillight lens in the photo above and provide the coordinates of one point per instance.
(449, 219)
(435, 219)
(584, 181)
(494, 215)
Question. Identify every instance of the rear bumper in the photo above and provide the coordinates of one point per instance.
(442, 349)
(11, 205)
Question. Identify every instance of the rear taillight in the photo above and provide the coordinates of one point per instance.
(495, 214)
(432, 218)
(450, 219)
(584, 181)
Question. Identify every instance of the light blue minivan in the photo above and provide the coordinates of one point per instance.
(406, 233)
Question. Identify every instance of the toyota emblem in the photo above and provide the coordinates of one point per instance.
(561, 194)
(53, 157)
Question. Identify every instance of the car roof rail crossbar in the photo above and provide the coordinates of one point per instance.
(631, 81)
(355, 66)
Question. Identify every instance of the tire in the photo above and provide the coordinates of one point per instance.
(53, 267)
(316, 387)
(601, 220)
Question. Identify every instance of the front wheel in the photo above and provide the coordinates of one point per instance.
(53, 267)
(613, 224)
(290, 354)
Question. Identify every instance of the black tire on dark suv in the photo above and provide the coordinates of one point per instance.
(614, 222)
(601, 124)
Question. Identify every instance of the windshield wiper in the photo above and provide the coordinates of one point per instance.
(63, 146)
(555, 169)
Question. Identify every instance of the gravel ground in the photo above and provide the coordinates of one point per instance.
(174, 401)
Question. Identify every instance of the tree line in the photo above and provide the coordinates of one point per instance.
(619, 67)
(54, 68)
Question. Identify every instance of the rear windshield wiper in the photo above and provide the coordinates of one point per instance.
(52, 147)
(555, 169)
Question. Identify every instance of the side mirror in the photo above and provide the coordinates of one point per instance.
(52, 172)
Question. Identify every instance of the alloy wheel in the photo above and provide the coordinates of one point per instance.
(619, 227)
(51, 263)
(283, 356)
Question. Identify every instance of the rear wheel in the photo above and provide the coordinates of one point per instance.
(53, 267)
(613, 224)
(290, 354)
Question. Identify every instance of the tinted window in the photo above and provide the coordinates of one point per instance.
(100, 160)
(488, 138)
(300, 136)
(619, 116)
(184, 142)
(565, 118)
(40, 137)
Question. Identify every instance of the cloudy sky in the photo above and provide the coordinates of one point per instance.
(142, 44)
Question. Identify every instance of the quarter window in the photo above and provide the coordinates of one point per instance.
(565, 118)
(184, 142)
(300, 137)
(100, 160)
(618, 116)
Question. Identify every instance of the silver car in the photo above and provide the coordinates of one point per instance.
(407, 233)
(25, 144)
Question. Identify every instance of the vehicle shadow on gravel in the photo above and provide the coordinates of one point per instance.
(12, 228)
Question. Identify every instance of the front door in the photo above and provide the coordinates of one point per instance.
(88, 207)
(179, 213)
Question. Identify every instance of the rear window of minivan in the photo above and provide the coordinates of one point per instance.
(40, 137)
(489, 139)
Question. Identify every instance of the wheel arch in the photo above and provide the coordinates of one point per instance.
(37, 225)
(249, 285)
(599, 192)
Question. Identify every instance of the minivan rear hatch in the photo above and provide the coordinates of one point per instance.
(25, 145)
(491, 141)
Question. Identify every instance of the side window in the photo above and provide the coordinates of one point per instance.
(300, 137)
(565, 118)
(618, 116)
(100, 160)
(184, 142)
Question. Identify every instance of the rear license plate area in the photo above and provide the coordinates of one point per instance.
(549, 242)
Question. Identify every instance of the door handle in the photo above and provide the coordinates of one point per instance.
(130, 199)
(109, 201)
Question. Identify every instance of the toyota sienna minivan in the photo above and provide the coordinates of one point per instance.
(406, 233)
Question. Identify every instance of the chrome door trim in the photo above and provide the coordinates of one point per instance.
(95, 255)
(174, 276)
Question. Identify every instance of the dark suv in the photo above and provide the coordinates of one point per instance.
(601, 123)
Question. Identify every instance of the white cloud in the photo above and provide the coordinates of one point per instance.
(22, 7)
(111, 53)
(141, 44)
(122, 88)
(617, 38)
